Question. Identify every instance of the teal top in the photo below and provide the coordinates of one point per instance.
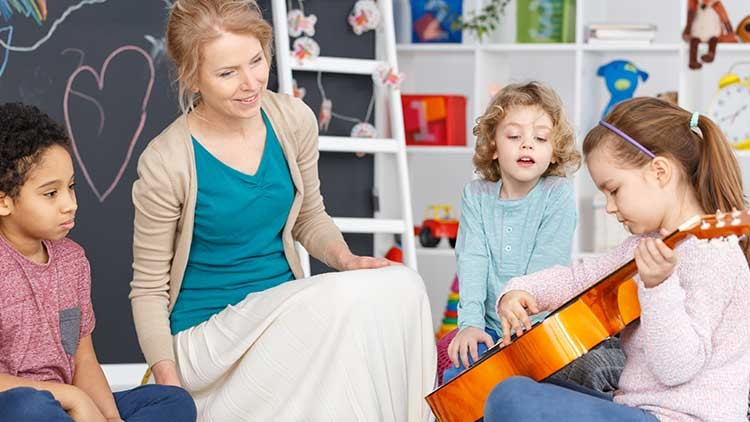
(237, 247)
(499, 239)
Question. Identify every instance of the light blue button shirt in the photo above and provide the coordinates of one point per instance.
(499, 239)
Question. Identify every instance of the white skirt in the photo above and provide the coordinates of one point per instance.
(348, 346)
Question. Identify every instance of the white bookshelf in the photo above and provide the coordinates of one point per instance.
(438, 175)
(440, 150)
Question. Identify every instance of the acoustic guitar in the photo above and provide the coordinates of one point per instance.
(567, 333)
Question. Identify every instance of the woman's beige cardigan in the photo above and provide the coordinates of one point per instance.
(164, 197)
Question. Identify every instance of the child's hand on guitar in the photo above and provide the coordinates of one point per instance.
(655, 261)
(466, 342)
(512, 311)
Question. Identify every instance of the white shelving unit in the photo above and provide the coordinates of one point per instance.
(439, 174)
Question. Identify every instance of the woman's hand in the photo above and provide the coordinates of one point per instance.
(165, 373)
(466, 342)
(355, 262)
(512, 311)
(655, 261)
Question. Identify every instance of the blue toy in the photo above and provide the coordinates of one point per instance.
(621, 77)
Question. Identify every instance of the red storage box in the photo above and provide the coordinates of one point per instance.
(434, 119)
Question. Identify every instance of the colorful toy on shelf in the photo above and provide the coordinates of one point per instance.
(450, 316)
(707, 21)
(730, 108)
(440, 225)
(434, 119)
(621, 77)
(432, 21)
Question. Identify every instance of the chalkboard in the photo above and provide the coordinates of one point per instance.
(99, 67)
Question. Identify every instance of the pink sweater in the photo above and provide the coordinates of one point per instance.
(688, 357)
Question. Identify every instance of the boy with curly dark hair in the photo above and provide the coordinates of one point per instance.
(48, 367)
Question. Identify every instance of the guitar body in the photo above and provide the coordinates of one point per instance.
(561, 338)
(567, 333)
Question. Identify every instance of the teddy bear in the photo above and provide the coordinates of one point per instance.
(707, 21)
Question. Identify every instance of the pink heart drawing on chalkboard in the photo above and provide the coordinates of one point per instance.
(99, 76)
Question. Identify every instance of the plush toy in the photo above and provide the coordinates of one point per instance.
(621, 77)
(743, 29)
(707, 21)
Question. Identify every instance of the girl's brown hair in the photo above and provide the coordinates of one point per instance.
(706, 159)
(564, 153)
(194, 23)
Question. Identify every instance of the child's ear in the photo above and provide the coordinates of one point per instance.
(6, 204)
(662, 169)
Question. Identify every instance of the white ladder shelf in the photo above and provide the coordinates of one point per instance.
(395, 146)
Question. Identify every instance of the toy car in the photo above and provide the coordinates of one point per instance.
(439, 226)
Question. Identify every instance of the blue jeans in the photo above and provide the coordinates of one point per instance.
(523, 399)
(147, 403)
(452, 371)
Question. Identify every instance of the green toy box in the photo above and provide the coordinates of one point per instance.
(545, 21)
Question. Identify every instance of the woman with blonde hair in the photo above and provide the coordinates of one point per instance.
(220, 303)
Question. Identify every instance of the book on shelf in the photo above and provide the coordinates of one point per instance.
(621, 32)
(623, 26)
(545, 21)
(598, 41)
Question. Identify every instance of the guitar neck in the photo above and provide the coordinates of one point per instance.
(629, 269)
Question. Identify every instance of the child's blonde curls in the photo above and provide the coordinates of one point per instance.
(565, 156)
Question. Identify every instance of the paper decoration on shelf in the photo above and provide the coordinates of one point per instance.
(364, 17)
(387, 77)
(361, 129)
(298, 91)
(300, 24)
(364, 130)
(324, 117)
(305, 48)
